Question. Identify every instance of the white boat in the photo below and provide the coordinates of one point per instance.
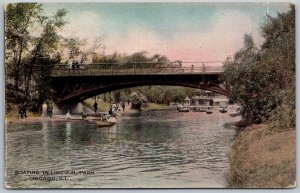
(183, 109)
(111, 120)
(104, 123)
(222, 109)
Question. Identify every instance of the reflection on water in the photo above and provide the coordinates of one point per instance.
(154, 149)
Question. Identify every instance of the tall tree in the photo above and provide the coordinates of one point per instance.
(45, 47)
(31, 39)
(19, 18)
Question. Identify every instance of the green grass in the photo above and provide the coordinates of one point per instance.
(260, 159)
(154, 106)
(102, 106)
(13, 112)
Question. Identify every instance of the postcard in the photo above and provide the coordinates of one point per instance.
(150, 95)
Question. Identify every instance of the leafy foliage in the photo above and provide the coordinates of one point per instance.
(262, 80)
(137, 99)
(31, 40)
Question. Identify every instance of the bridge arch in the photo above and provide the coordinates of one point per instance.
(72, 89)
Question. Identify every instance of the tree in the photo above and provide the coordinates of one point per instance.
(31, 40)
(19, 18)
(44, 49)
(262, 80)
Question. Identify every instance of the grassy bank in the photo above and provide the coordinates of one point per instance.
(154, 106)
(260, 159)
(14, 112)
(102, 106)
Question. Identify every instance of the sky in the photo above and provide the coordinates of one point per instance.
(181, 31)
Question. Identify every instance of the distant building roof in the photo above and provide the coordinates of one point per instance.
(220, 100)
(187, 98)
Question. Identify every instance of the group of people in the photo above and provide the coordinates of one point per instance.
(22, 110)
(75, 65)
(116, 107)
(47, 109)
(113, 107)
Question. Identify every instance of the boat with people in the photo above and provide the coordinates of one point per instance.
(106, 121)
(199, 109)
(183, 109)
(236, 112)
(222, 109)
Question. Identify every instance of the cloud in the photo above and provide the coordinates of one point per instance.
(222, 39)
(138, 39)
(85, 25)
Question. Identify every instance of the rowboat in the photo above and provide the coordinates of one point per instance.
(104, 123)
(222, 110)
(183, 109)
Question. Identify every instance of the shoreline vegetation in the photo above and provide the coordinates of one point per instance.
(11, 117)
(261, 158)
(262, 81)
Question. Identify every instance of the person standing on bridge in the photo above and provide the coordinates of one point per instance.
(73, 67)
(203, 68)
(192, 68)
(95, 106)
(77, 66)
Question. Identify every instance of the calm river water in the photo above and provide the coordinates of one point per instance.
(154, 149)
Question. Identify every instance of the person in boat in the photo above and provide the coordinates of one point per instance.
(111, 119)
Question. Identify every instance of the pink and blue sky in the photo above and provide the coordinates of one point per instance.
(181, 31)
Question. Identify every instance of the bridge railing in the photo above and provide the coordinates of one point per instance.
(130, 69)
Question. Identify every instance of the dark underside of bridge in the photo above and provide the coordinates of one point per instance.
(72, 89)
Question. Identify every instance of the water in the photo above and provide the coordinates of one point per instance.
(151, 150)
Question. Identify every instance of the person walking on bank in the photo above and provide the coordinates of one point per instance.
(20, 108)
(24, 110)
(123, 106)
(95, 106)
(45, 109)
(50, 109)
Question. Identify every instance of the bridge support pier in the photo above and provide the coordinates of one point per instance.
(73, 109)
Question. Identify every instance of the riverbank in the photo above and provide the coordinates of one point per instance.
(261, 159)
(102, 106)
(155, 107)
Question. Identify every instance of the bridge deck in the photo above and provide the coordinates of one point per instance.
(104, 70)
